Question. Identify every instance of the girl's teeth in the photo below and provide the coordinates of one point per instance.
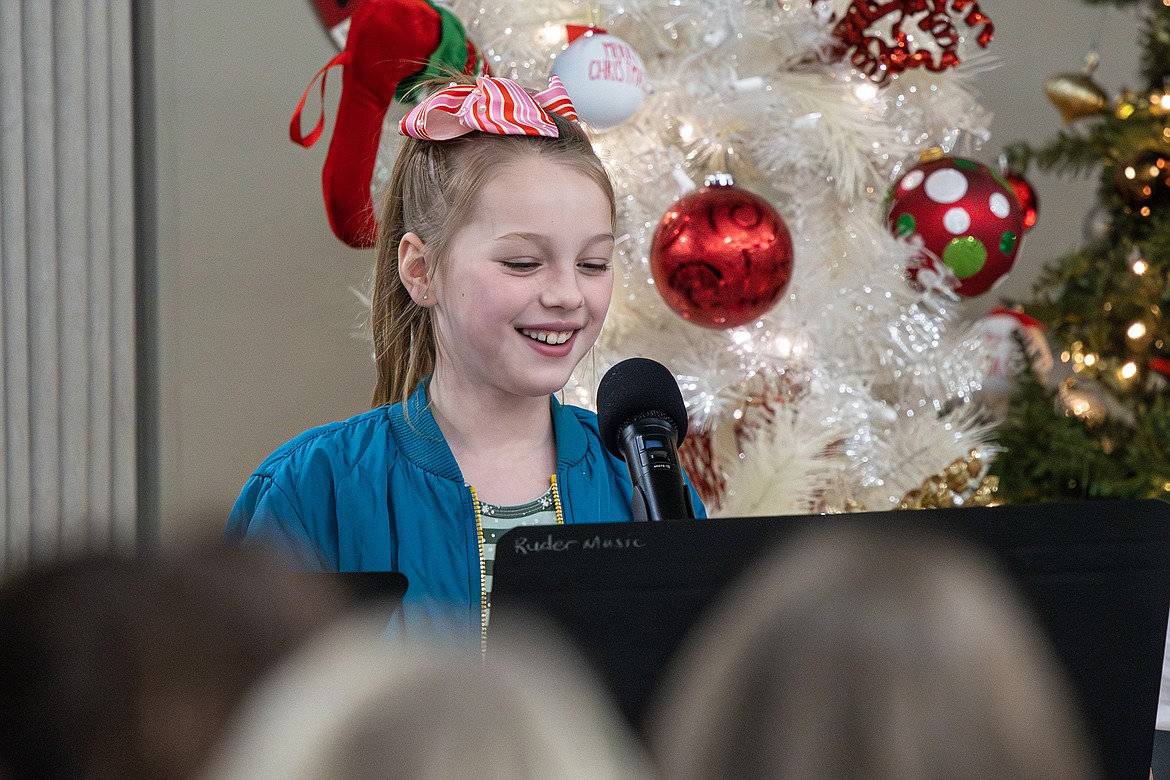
(548, 336)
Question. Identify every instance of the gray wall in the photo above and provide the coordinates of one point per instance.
(255, 318)
(248, 318)
(1034, 40)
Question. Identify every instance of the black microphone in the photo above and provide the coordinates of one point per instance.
(642, 420)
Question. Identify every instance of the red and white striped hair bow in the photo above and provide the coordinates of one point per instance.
(491, 105)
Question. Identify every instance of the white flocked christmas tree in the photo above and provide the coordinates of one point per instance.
(856, 387)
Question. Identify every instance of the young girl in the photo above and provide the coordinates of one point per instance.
(493, 278)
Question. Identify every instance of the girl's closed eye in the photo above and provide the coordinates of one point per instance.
(597, 266)
(520, 264)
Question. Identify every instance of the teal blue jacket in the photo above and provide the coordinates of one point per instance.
(377, 492)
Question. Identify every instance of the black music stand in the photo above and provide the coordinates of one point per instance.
(381, 590)
(1097, 575)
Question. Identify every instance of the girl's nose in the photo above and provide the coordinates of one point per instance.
(562, 290)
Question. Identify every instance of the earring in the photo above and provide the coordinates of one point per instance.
(425, 296)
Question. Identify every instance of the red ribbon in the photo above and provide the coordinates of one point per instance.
(879, 56)
(294, 125)
(1025, 320)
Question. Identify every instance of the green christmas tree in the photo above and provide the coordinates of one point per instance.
(1098, 425)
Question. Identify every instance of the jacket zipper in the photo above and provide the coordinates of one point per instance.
(483, 613)
(483, 593)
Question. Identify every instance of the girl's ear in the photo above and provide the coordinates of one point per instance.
(413, 271)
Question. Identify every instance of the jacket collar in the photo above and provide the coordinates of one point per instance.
(419, 438)
(570, 435)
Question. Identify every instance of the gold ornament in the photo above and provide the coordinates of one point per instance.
(1076, 95)
(965, 482)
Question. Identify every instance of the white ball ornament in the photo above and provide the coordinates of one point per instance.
(604, 76)
(1002, 333)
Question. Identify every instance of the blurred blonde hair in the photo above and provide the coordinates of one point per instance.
(357, 706)
(434, 189)
(869, 653)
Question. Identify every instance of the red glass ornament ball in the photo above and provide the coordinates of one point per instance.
(965, 214)
(721, 256)
(1026, 195)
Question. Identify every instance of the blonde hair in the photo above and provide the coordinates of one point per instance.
(876, 653)
(433, 190)
(355, 705)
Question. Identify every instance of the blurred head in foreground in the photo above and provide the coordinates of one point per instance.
(869, 653)
(356, 706)
(129, 668)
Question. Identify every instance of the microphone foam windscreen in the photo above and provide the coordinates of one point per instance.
(635, 388)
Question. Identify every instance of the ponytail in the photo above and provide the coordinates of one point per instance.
(404, 341)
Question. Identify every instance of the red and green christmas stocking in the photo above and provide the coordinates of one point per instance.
(392, 46)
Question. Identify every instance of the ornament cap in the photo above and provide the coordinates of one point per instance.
(575, 31)
(719, 179)
(931, 154)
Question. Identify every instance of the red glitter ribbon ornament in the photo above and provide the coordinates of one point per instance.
(721, 256)
(879, 55)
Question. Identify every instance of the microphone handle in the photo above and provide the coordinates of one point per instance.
(650, 447)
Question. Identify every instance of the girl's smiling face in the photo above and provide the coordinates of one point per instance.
(524, 289)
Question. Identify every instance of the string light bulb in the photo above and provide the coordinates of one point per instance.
(865, 91)
(553, 35)
(1079, 407)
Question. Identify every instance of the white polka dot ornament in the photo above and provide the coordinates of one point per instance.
(966, 216)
